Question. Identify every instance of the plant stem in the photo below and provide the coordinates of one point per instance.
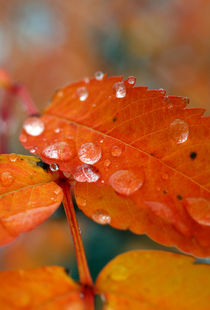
(84, 273)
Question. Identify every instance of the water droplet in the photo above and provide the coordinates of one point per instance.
(127, 182)
(120, 89)
(89, 153)
(60, 150)
(86, 173)
(119, 273)
(54, 167)
(57, 130)
(162, 91)
(107, 163)
(165, 176)
(131, 80)
(116, 151)
(6, 178)
(33, 151)
(199, 210)
(23, 138)
(81, 201)
(34, 126)
(179, 130)
(86, 80)
(101, 216)
(99, 76)
(82, 93)
(13, 157)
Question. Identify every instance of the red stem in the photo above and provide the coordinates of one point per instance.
(84, 273)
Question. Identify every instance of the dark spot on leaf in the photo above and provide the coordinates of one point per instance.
(67, 271)
(114, 119)
(165, 192)
(42, 165)
(179, 197)
(193, 155)
(152, 154)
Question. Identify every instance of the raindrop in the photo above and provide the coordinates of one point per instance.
(33, 151)
(86, 80)
(60, 150)
(120, 89)
(54, 167)
(6, 178)
(99, 75)
(127, 182)
(101, 216)
(131, 80)
(119, 273)
(82, 93)
(89, 153)
(116, 151)
(57, 130)
(199, 210)
(13, 157)
(107, 163)
(179, 130)
(34, 126)
(23, 138)
(86, 173)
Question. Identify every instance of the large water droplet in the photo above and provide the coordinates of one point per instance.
(82, 93)
(101, 216)
(99, 75)
(89, 153)
(179, 131)
(116, 151)
(120, 89)
(60, 150)
(6, 178)
(127, 182)
(199, 210)
(86, 173)
(119, 273)
(54, 167)
(131, 80)
(34, 126)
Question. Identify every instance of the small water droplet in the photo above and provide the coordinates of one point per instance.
(101, 216)
(127, 182)
(199, 210)
(57, 130)
(54, 167)
(86, 80)
(179, 131)
(13, 157)
(131, 80)
(82, 93)
(101, 141)
(33, 151)
(67, 174)
(23, 138)
(165, 176)
(89, 153)
(34, 126)
(119, 273)
(60, 150)
(6, 178)
(162, 91)
(59, 93)
(116, 151)
(86, 173)
(81, 201)
(120, 89)
(99, 75)
(107, 163)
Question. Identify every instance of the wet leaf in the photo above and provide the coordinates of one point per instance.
(138, 156)
(46, 288)
(150, 280)
(28, 195)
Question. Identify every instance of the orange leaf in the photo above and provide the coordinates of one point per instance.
(41, 288)
(138, 156)
(150, 280)
(28, 195)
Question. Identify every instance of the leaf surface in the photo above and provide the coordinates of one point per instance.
(140, 158)
(151, 280)
(46, 288)
(28, 195)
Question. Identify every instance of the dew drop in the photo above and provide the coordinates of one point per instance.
(81, 201)
(131, 80)
(34, 126)
(179, 130)
(101, 216)
(13, 157)
(60, 150)
(23, 138)
(57, 130)
(199, 210)
(54, 167)
(33, 151)
(127, 182)
(99, 75)
(107, 163)
(119, 273)
(82, 93)
(86, 80)
(6, 178)
(116, 151)
(120, 89)
(86, 173)
(89, 153)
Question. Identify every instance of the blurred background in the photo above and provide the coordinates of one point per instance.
(48, 44)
